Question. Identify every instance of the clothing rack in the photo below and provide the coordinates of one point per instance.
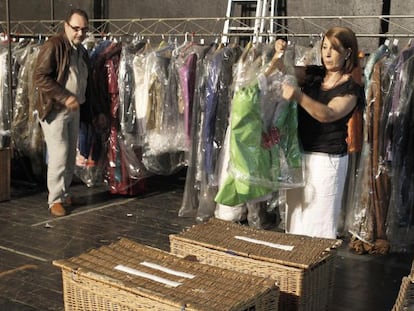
(365, 26)
(297, 26)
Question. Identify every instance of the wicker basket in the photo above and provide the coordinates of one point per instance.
(405, 298)
(303, 267)
(129, 276)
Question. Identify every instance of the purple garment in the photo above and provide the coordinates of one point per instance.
(187, 75)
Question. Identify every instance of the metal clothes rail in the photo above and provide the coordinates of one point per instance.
(295, 26)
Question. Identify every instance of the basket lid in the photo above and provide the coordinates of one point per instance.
(161, 276)
(286, 249)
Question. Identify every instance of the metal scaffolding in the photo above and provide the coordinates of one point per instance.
(295, 26)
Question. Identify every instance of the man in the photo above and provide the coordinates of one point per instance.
(61, 79)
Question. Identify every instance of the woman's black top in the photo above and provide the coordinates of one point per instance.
(326, 137)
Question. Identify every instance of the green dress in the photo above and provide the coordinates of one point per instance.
(260, 163)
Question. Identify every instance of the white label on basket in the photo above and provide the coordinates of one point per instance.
(274, 245)
(167, 270)
(147, 276)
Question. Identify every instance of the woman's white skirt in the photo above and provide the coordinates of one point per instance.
(314, 210)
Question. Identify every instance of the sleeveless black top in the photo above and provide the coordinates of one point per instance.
(326, 137)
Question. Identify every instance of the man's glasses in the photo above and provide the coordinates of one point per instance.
(77, 28)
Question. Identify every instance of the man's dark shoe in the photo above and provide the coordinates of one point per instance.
(70, 201)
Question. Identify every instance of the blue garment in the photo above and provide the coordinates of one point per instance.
(217, 107)
(369, 67)
(210, 112)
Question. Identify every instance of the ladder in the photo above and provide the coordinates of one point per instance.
(261, 9)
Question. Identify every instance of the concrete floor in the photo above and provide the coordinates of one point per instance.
(31, 240)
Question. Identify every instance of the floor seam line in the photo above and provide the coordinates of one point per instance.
(83, 212)
(11, 250)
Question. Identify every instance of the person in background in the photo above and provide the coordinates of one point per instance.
(61, 99)
(326, 99)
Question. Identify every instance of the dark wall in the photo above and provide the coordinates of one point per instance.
(42, 9)
(121, 9)
(46, 10)
(167, 8)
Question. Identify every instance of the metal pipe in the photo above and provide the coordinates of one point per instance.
(52, 10)
(172, 26)
(386, 9)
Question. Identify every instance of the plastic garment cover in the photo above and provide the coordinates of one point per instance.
(190, 202)
(127, 115)
(262, 213)
(91, 162)
(266, 214)
(21, 106)
(126, 83)
(280, 123)
(370, 63)
(186, 64)
(259, 213)
(216, 111)
(308, 55)
(141, 81)
(27, 135)
(234, 213)
(248, 161)
(360, 221)
(400, 220)
(119, 175)
(263, 145)
(91, 157)
(164, 139)
(366, 219)
(244, 73)
(5, 105)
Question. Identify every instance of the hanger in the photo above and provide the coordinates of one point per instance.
(163, 43)
(246, 51)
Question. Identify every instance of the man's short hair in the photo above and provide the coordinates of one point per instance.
(79, 12)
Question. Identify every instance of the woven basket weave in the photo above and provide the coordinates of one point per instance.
(92, 282)
(405, 298)
(304, 274)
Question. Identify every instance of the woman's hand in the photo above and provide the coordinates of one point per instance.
(280, 47)
(290, 92)
(277, 59)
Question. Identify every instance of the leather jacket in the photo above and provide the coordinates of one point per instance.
(50, 75)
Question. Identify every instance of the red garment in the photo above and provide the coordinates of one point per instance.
(119, 179)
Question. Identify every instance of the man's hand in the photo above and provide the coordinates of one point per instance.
(72, 103)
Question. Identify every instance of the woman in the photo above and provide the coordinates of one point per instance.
(326, 101)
